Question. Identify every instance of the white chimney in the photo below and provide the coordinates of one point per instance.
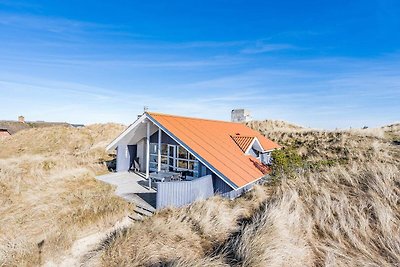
(240, 115)
(21, 119)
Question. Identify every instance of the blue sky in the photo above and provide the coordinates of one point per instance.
(322, 64)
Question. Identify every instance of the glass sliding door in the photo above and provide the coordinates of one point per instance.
(173, 158)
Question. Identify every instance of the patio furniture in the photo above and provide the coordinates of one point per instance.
(176, 177)
(161, 176)
(184, 174)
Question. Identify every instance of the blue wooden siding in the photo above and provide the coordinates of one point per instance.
(219, 185)
(238, 192)
(181, 193)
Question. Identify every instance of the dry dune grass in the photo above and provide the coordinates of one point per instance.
(180, 236)
(344, 214)
(59, 140)
(48, 192)
(341, 217)
(274, 125)
(336, 146)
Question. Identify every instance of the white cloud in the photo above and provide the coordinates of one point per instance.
(261, 47)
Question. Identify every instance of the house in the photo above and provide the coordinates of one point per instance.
(230, 156)
(13, 127)
(4, 133)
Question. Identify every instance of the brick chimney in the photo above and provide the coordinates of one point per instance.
(21, 119)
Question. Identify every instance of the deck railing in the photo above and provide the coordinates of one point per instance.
(181, 193)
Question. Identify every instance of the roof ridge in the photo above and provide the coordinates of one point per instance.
(187, 117)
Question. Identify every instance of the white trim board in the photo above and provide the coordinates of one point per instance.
(114, 143)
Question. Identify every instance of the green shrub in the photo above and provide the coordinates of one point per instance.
(286, 161)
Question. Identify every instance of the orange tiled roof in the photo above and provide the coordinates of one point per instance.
(212, 140)
(243, 141)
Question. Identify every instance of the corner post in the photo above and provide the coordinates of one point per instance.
(159, 150)
(148, 153)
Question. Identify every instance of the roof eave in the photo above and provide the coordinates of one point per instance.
(114, 143)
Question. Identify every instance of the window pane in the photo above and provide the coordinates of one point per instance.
(171, 162)
(164, 149)
(182, 164)
(182, 153)
(153, 166)
(171, 151)
(191, 165)
(191, 157)
(164, 160)
(153, 158)
(153, 148)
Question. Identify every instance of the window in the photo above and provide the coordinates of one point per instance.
(171, 152)
(183, 164)
(153, 158)
(191, 165)
(173, 158)
(171, 162)
(164, 149)
(153, 148)
(182, 153)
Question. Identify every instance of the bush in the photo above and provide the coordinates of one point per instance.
(287, 161)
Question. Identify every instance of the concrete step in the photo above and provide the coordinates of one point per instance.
(143, 212)
(136, 217)
(146, 207)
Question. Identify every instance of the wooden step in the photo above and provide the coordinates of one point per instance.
(136, 217)
(142, 211)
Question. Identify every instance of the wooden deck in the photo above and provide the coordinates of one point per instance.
(132, 187)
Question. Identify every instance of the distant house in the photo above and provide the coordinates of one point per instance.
(15, 126)
(232, 156)
(4, 133)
